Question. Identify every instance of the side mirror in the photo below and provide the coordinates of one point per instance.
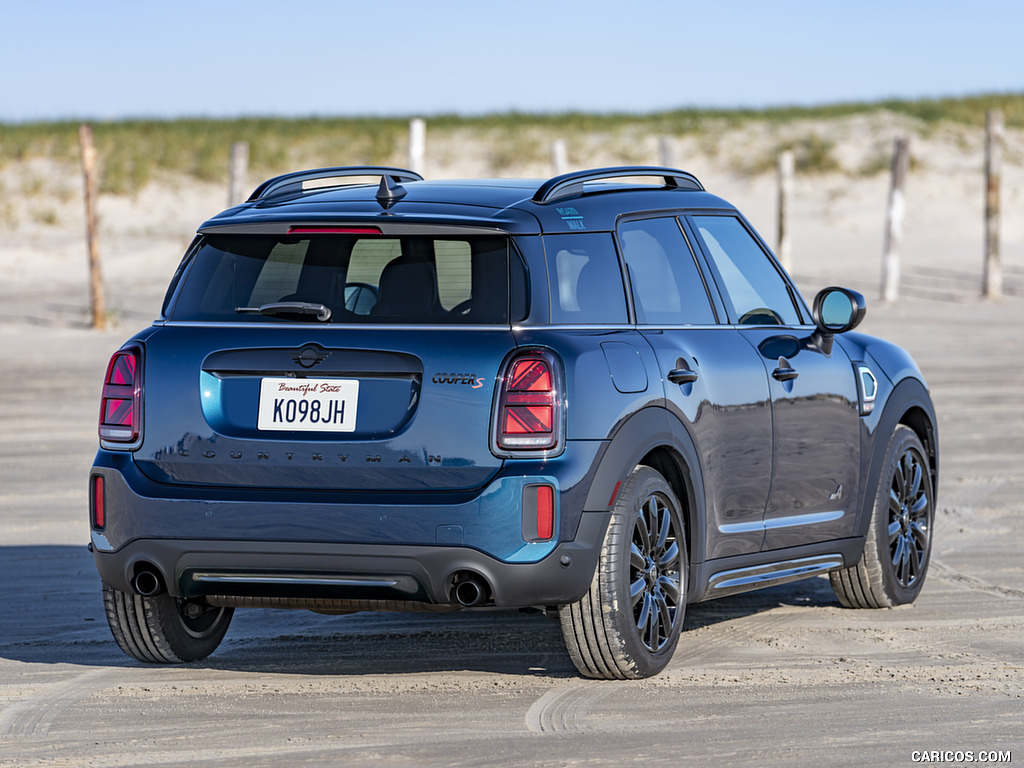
(836, 310)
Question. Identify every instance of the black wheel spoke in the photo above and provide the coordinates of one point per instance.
(920, 534)
(913, 563)
(920, 505)
(636, 557)
(899, 481)
(644, 619)
(663, 528)
(669, 584)
(642, 530)
(637, 589)
(915, 479)
(894, 531)
(669, 557)
(897, 555)
(663, 626)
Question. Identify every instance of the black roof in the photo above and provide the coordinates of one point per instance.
(583, 200)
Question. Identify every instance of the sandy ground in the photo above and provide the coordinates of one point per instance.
(779, 677)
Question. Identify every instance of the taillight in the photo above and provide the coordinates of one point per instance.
(121, 402)
(529, 414)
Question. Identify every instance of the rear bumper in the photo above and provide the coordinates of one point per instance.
(354, 572)
(295, 545)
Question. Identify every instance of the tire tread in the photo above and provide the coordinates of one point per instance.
(147, 628)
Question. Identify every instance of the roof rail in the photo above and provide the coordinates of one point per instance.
(571, 184)
(292, 182)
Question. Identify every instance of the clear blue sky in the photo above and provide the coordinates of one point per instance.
(108, 59)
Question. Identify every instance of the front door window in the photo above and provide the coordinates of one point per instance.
(756, 293)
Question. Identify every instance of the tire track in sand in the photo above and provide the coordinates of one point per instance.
(566, 709)
(34, 715)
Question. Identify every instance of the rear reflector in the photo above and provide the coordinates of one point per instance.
(615, 493)
(545, 512)
(99, 513)
(330, 230)
(538, 513)
(121, 401)
(529, 410)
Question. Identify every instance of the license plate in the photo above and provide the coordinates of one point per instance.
(311, 405)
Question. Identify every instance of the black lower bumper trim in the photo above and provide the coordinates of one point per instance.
(297, 570)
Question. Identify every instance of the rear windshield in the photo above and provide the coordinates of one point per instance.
(356, 278)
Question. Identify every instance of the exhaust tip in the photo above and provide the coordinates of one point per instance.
(147, 583)
(469, 590)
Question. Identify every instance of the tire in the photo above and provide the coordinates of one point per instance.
(892, 569)
(163, 629)
(627, 625)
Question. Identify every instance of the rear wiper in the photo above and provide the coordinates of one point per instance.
(323, 313)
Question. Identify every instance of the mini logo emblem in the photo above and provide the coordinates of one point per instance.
(309, 356)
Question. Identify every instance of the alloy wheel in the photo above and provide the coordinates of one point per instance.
(655, 572)
(909, 519)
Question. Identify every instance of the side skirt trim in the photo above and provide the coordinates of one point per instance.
(755, 577)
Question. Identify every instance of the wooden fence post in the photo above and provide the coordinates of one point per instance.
(238, 172)
(417, 144)
(88, 150)
(786, 171)
(559, 157)
(894, 221)
(666, 155)
(994, 135)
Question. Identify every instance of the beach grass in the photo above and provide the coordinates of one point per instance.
(135, 152)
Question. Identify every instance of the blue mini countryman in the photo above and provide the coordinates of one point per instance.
(597, 395)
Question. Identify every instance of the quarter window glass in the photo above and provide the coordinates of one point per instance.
(586, 283)
(757, 293)
(667, 285)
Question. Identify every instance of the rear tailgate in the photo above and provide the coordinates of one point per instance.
(326, 408)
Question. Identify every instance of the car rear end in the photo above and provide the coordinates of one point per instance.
(339, 417)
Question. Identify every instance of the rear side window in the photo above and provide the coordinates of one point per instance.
(584, 280)
(667, 285)
(360, 279)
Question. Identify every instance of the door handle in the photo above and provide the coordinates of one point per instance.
(785, 371)
(682, 373)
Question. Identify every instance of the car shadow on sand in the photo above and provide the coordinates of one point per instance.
(53, 596)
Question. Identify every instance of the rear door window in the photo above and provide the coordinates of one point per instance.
(360, 279)
(667, 285)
